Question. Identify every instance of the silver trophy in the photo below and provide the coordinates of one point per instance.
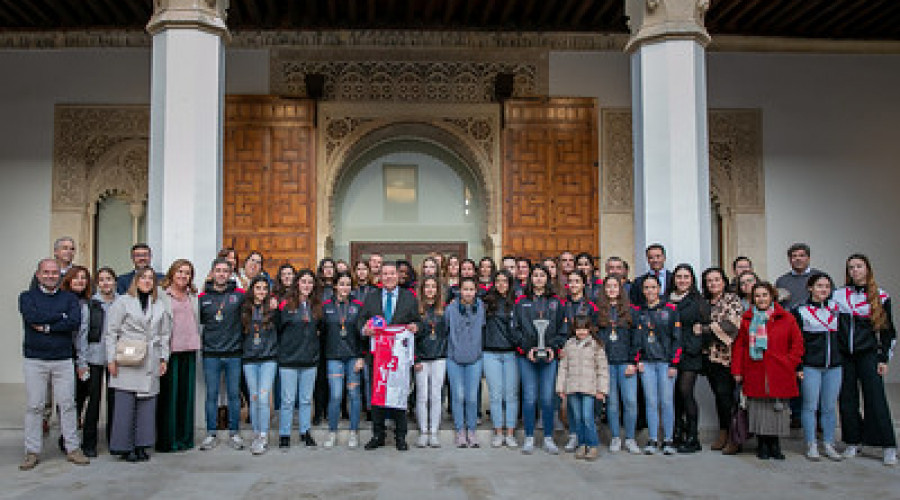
(541, 352)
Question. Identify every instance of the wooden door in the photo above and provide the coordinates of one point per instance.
(550, 177)
(269, 179)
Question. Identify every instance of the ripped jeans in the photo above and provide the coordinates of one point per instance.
(260, 377)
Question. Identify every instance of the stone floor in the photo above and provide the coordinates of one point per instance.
(225, 473)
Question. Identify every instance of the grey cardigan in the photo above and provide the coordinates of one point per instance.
(126, 319)
(465, 332)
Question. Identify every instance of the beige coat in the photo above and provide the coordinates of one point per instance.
(126, 319)
(583, 368)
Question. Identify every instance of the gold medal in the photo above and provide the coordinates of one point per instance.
(256, 339)
(613, 336)
(219, 316)
(651, 337)
(343, 331)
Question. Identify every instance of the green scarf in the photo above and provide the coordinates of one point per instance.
(759, 339)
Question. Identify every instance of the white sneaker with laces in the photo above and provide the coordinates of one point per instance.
(209, 442)
(434, 441)
(258, 446)
(651, 448)
(528, 446)
(890, 457)
(571, 443)
(831, 453)
(422, 442)
(550, 446)
(851, 451)
(237, 442)
(497, 441)
(354, 439)
(632, 447)
(812, 452)
(511, 442)
(668, 448)
(331, 440)
(615, 445)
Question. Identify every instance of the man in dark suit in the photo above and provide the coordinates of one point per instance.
(398, 307)
(656, 261)
(140, 257)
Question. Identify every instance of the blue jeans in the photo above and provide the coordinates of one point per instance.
(297, 384)
(538, 378)
(464, 382)
(338, 371)
(502, 373)
(658, 389)
(260, 376)
(626, 388)
(820, 390)
(213, 367)
(581, 418)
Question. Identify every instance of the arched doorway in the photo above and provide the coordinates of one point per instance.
(405, 197)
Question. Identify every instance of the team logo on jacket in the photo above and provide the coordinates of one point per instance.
(233, 299)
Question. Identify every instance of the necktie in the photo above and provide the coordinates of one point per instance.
(389, 306)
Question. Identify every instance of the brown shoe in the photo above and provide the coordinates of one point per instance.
(77, 457)
(31, 460)
(731, 449)
(580, 452)
(592, 453)
(720, 442)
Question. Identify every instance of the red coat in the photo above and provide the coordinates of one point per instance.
(775, 375)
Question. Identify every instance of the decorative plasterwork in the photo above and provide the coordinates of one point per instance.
(651, 20)
(616, 178)
(469, 131)
(432, 76)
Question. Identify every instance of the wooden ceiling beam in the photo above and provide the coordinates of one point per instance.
(352, 13)
(488, 10)
(332, 11)
(860, 14)
(39, 12)
(734, 22)
(507, 12)
(716, 14)
(603, 11)
(371, 12)
(799, 13)
(581, 12)
(828, 8)
(563, 13)
(251, 7)
(100, 13)
(114, 6)
(410, 12)
(545, 13)
(883, 17)
(470, 9)
(761, 16)
(450, 11)
(428, 15)
(137, 10)
(10, 14)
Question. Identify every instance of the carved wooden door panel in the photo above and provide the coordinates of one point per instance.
(269, 179)
(550, 177)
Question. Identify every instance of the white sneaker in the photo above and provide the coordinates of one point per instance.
(354, 439)
(511, 442)
(615, 444)
(237, 442)
(890, 456)
(668, 448)
(632, 447)
(497, 441)
(812, 452)
(258, 447)
(331, 440)
(209, 442)
(422, 442)
(550, 446)
(571, 443)
(851, 451)
(528, 446)
(831, 453)
(651, 448)
(434, 441)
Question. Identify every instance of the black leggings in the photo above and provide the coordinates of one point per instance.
(722, 384)
(686, 406)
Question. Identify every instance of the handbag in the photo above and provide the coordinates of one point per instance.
(131, 352)
(739, 429)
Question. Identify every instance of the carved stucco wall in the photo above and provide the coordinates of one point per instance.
(98, 151)
(469, 131)
(737, 185)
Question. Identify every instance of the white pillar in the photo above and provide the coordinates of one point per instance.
(669, 116)
(184, 218)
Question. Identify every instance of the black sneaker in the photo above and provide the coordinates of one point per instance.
(90, 452)
(374, 443)
(142, 454)
(308, 440)
(284, 442)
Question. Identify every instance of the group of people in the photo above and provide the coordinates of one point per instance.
(556, 339)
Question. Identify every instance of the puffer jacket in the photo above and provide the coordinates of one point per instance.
(583, 368)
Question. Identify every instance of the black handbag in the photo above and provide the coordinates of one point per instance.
(739, 430)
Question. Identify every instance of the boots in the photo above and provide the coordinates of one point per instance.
(731, 448)
(720, 441)
(775, 448)
(762, 447)
(690, 444)
(679, 432)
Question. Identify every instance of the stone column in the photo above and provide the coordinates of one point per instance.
(184, 218)
(669, 119)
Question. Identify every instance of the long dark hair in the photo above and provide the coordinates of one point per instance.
(314, 299)
(548, 288)
(247, 306)
(873, 295)
(279, 289)
(438, 298)
(623, 305)
(493, 298)
(692, 290)
(715, 269)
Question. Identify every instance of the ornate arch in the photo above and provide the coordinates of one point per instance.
(469, 132)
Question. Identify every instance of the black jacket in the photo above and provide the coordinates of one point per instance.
(859, 335)
(581, 307)
(298, 337)
(431, 336)
(619, 342)
(636, 293)
(820, 324)
(261, 341)
(220, 316)
(658, 334)
(692, 309)
(528, 309)
(406, 309)
(95, 323)
(499, 329)
(340, 327)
